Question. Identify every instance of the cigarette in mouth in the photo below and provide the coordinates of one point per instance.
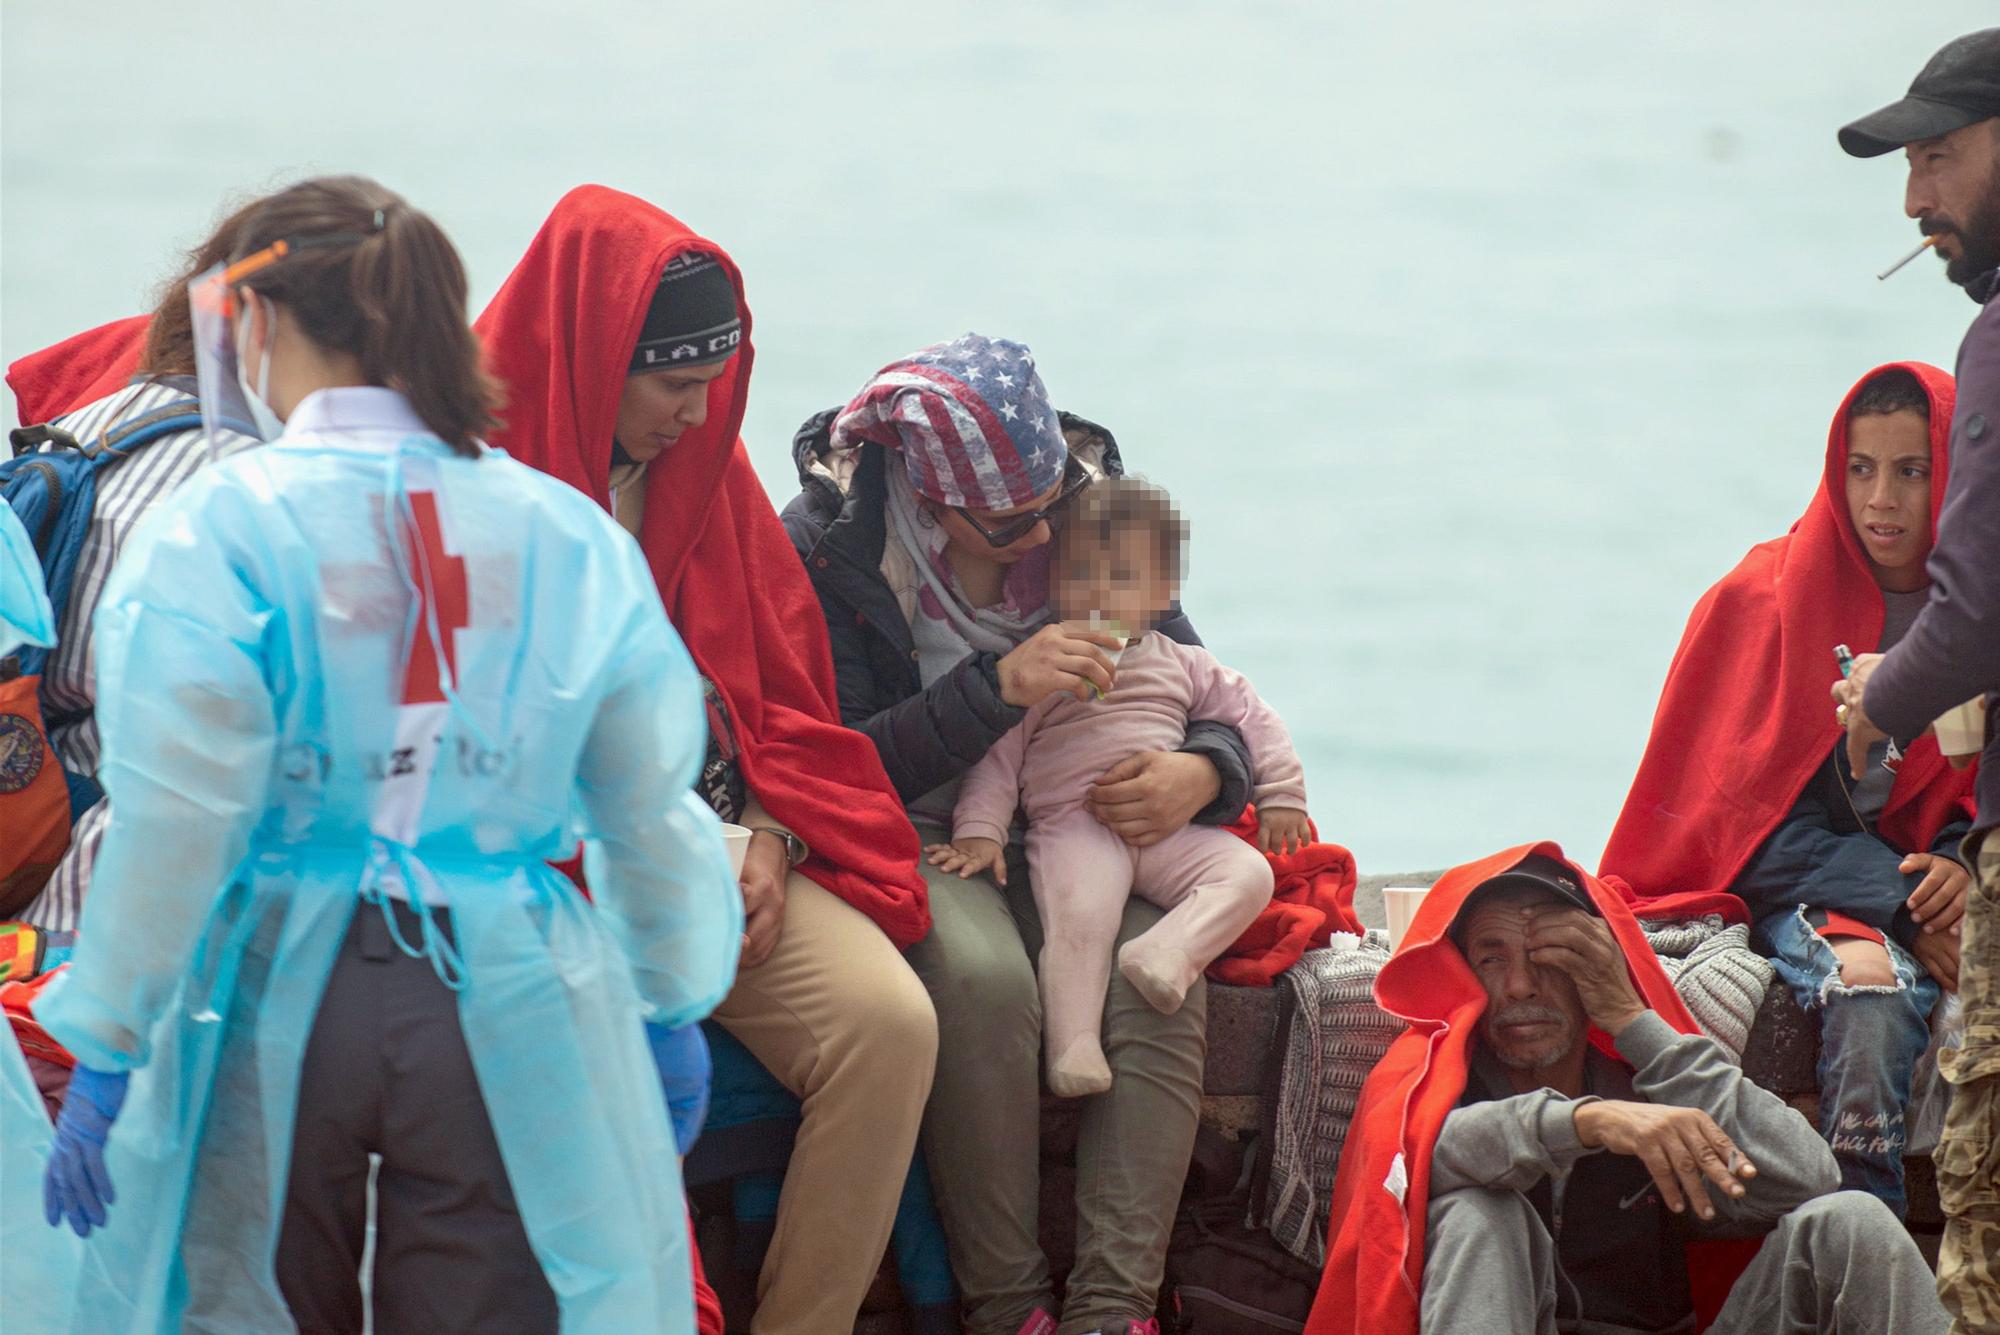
(1923, 246)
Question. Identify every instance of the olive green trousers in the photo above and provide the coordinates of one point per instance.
(981, 1130)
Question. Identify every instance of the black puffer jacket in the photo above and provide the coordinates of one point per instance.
(928, 736)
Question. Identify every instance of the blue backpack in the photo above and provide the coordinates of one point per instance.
(53, 493)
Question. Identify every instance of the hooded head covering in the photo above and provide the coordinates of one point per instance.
(79, 370)
(972, 424)
(561, 335)
(1747, 714)
(970, 418)
(1373, 1281)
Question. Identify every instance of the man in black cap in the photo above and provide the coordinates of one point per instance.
(1949, 129)
(1562, 1184)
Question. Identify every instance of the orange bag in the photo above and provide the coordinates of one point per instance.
(34, 797)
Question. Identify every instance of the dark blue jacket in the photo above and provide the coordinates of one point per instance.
(1824, 857)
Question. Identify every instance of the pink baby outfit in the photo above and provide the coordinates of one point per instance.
(1211, 883)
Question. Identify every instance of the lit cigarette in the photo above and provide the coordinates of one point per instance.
(1923, 246)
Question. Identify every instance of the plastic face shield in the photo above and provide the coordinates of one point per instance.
(212, 308)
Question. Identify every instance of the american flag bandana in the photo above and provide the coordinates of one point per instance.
(971, 419)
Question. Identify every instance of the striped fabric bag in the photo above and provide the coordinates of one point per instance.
(1330, 1036)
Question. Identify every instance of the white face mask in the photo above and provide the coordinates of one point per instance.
(269, 425)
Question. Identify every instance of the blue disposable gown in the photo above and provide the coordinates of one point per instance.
(35, 1265)
(251, 647)
(25, 617)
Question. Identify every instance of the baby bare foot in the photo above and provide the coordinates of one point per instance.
(1163, 975)
(1079, 1070)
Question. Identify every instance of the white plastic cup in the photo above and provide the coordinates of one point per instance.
(737, 840)
(1962, 731)
(1102, 625)
(1401, 902)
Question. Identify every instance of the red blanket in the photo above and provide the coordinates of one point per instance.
(79, 370)
(17, 1002)
(560, 335)
(1746, 716)
(1373, 1282)
(707, 1307)
(1314, 899)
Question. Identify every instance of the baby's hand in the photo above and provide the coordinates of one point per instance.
(1283, 830)
(969, 857)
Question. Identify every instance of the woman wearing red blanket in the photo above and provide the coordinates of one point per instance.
(1852, 886)
(624, 344)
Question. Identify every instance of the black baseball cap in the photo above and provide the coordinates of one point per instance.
(1960, 86)
(1537, 871)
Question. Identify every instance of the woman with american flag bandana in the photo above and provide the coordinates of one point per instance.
(925, 523)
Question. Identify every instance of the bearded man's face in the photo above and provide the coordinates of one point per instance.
(1954, 194)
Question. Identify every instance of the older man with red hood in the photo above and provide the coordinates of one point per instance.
(624, 343)
(1552, 1145)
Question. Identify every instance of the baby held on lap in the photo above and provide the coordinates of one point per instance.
(1116, 569)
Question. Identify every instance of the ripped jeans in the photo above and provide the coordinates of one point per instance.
(1869, 1042)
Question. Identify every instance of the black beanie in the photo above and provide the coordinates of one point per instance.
(693, 319)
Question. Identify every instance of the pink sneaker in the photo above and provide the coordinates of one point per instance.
(1041, 1323)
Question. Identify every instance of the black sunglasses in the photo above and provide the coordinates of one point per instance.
(1075, 478)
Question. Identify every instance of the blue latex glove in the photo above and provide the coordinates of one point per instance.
(77, 1186)
(682, 1056)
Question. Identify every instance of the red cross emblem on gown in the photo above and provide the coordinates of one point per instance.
(441, 591)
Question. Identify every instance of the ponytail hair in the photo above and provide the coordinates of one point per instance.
(367, 275)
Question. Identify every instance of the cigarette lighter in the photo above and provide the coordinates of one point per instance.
(1845, 657)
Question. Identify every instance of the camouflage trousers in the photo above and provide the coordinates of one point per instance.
(1968, 1157)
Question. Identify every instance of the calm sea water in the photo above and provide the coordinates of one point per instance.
(1475, 340)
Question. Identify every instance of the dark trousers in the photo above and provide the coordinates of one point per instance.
(387, 1072)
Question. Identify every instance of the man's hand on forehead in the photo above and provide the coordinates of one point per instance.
(1561, 936)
